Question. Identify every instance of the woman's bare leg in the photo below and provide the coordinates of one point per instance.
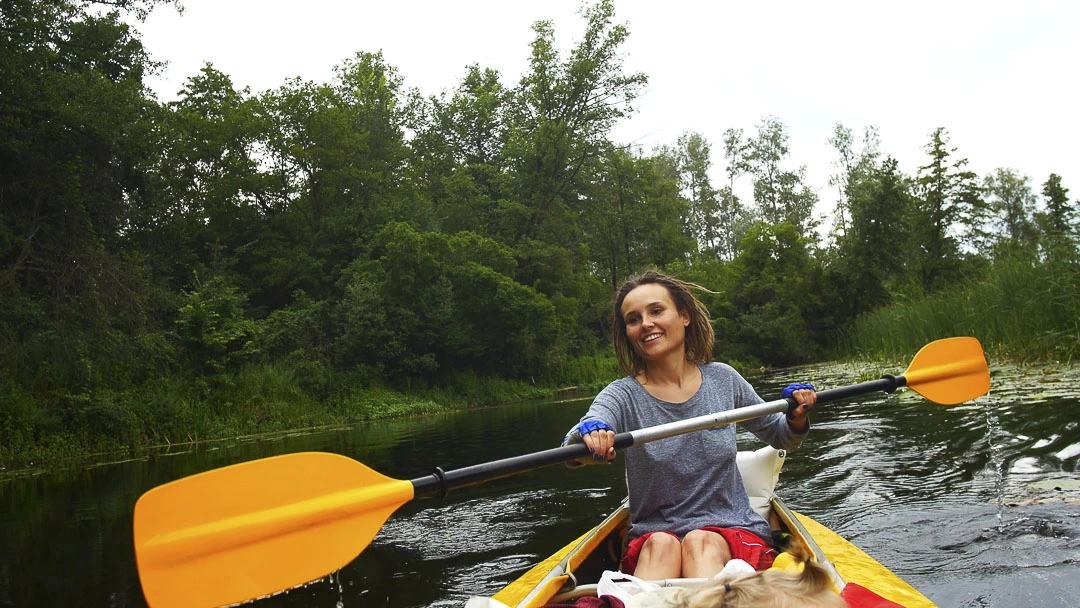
(704, 554)
(660, 558)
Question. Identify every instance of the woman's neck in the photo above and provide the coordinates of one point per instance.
(674, 372)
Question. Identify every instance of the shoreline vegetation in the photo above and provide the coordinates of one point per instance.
(1022, 314)
(325, 253)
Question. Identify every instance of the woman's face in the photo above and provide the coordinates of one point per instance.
(654, 325)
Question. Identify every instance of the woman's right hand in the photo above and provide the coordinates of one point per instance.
(601, 444)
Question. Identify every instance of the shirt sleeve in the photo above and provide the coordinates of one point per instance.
(606, 407)
(772, 429)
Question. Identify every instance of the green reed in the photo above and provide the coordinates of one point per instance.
(1019, 310)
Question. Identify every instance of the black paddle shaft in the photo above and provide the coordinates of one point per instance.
(440, 482)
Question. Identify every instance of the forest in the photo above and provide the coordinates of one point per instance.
(235, 262)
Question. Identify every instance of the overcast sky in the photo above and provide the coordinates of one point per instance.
(1000, 77)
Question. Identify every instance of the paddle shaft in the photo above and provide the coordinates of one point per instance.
(441, 482)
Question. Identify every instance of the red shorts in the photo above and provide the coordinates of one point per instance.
(744, 545)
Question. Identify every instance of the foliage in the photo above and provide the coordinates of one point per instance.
(948, 204)
(1060, 222)
(872, 261)
(1019, 309)
(233, 262)
(771, 285)
(214, 333)
(780, 194)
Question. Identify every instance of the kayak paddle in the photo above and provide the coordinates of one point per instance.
(257, 528)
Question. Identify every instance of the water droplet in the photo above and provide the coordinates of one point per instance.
(998, 464)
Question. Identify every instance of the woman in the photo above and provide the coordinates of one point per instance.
(689, 513)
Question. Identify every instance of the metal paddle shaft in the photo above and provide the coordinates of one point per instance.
(441, 482)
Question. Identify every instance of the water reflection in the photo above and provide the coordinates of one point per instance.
(975, 505)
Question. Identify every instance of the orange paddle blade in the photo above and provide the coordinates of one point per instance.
(257, 528)
(949, 371)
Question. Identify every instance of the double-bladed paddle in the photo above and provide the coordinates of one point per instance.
(257, 528)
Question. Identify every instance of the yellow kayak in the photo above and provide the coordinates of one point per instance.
(573, 571)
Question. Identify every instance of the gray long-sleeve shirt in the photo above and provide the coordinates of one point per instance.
(689, 481)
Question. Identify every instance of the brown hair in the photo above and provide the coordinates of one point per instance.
(699, 333)
(811, 588)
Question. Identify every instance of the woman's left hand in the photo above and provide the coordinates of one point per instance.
(805, 397)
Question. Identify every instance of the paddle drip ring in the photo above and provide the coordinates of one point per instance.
(440, 478)
(893, 383)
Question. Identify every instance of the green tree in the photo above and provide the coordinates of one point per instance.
(872, 255)
(206, 175)
(337, 153)
(74, 127)
(561, 114)
(947, 207)
(781, 195)
(632, 219)
(772, 287)
(214, 331)
(429, 305)
(1011, 203)
(731, 214)
(460, 161)
(1058, 221)
(852, 167)
(772, 291)
(702, 223)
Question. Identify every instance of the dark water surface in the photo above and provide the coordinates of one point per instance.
(976, 505)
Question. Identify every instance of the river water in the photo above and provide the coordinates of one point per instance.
(975, 505)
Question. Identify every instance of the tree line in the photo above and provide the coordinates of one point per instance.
(356, 233)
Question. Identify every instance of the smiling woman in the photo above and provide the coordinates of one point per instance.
(689, 512)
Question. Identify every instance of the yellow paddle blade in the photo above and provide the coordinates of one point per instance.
(253, 529)
(949, 371)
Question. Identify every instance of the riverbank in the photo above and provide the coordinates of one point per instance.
(171, 412)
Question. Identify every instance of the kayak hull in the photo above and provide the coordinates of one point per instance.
(572, 571)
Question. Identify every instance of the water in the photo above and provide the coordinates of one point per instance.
(976, 505)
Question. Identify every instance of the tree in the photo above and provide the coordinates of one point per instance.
(430, 305)
(561, 114)
(780, 195)
(205, 172)
(1058, 221)
(632, 218)
(458, 155)
(853, 166)
(337, 154)
(873, 254)
(693, 162)
(1011, 203)
(731, 213)
(75, 122)
(772, 287)
(948, 206)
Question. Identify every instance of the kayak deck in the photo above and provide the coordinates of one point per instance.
(572, 572)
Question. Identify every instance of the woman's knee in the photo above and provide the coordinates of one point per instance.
(699, 543)
(661, 543)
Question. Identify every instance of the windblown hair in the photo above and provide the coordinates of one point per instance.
(810, 588)
(699, 334)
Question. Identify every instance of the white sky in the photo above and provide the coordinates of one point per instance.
(1000, 77)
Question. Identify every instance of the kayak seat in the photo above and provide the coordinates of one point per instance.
(760, 470)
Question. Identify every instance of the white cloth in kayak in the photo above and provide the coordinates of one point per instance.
(689, 481)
